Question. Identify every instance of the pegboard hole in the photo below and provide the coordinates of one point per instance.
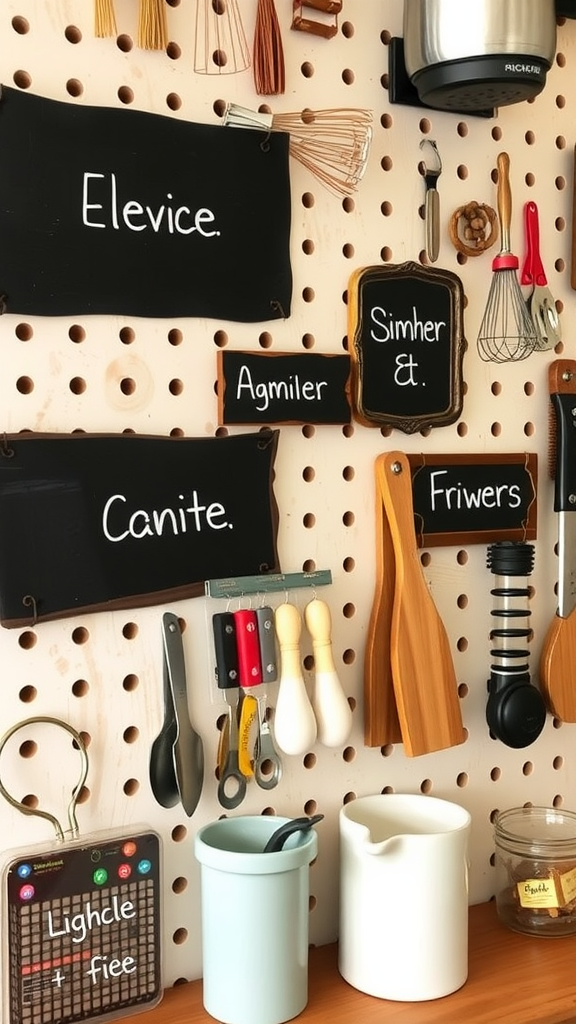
(24, 332)
(349, 610)
(22, 79)
(349, 656)
(558, 801)
(308, 294)
(180, 936)
(308, 431)
(84, 795)
(129, 630)
(527, 768)
(80, 635)
(348, 518)
(131, 734)
(462, 780)
(347, 29)
(462, 600)
(462, 644)
(20, 25)
(348, 797)
(309, 565)
(462, 129)
(80, 687)
(126, 95)
(124, 43)
(74, 87)
(27, 694)
(173, 51)
(265, 340)
(426, 786)
(308, 474)
(462, 557)
(31, 801)
(28, 749)
(130, 682)
(77, 334)
(131, 787)
(25, 385)
(463, 690)
(311, 903)
(309, 520)
(27, 640)
(173, 101)
(387, 750)
(496, 774)
(77, 385)
(176, 387)
(310, 807)
(558, 763)
(349, 755)
(179, 884)
(179, 834)
(349, 564)
(307, 69)
(309, 761)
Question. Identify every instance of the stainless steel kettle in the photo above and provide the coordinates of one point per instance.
(478, 54)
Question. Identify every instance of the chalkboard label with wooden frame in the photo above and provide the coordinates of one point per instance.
(474, 498)
(283, 387)
(406, 339)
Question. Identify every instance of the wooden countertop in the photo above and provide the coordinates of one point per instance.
(513, 979)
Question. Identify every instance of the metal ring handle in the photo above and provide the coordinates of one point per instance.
(77, 788)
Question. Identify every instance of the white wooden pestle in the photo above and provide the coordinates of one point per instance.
(331, 707)
(294, 720)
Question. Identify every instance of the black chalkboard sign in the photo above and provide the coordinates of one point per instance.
(406, 337)
(109, 210)
(474, 499)
(118, 521)
(283, 387)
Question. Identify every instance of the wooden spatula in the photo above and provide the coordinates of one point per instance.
(423, 673)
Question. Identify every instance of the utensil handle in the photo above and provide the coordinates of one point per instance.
(333, 712)
(504, 199)
(174, 653)
(248, 648)
(533, 270)
(294, 722)
(224, 631)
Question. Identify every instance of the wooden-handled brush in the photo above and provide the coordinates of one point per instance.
(558, 659)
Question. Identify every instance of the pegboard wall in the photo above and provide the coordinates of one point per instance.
(103, 672)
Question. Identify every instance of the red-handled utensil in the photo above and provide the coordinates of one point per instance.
(541, 302)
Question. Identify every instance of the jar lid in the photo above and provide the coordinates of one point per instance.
(550, 829)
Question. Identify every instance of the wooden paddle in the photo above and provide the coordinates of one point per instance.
(423, 676)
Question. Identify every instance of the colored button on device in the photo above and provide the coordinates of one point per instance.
(129, 848)
(144, 866)
(27, 892)
(100, 876)
(124, 871)
(24, 870)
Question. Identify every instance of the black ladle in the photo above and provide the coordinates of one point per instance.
(279, 837)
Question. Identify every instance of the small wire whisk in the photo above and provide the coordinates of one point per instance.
(220, 45)
(507, 331)
(333, 145)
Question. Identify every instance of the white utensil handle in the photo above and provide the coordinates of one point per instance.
(294, 719)
(332, 710)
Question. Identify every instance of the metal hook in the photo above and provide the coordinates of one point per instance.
(436, 171)
(72, 822)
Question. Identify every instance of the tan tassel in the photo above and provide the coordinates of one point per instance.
(268, 53)
(104, 19)
(152, 25)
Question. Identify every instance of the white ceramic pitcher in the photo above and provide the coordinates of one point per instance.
(404, 896)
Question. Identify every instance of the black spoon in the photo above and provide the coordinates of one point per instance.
(279, 837)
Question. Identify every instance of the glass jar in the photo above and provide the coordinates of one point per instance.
(536, 870)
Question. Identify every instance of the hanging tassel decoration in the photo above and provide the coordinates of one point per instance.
(152, 25)
(104, 19)
(268, 52)
(333, 144)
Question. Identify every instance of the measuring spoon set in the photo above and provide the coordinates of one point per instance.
(245, 647)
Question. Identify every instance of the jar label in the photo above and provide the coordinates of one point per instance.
(568, 885)
(537, 892)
